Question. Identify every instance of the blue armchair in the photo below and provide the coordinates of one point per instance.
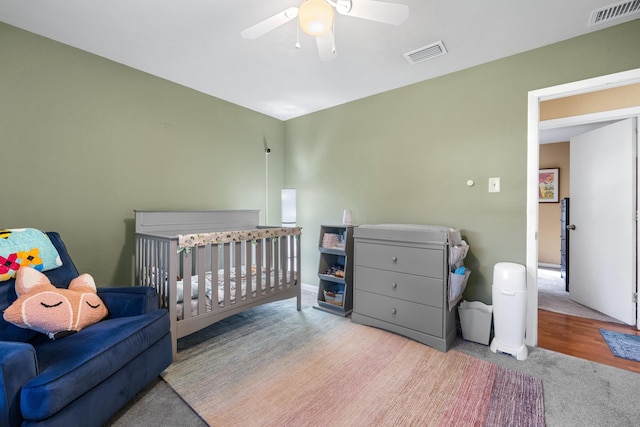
(84, 378)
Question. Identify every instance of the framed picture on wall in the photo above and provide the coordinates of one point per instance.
(548, 185)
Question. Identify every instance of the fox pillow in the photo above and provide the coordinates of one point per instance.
(53, 311)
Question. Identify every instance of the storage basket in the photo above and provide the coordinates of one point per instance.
(475, 320)
(330, 240)
(335, 298)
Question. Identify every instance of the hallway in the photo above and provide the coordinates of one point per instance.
(552, 296)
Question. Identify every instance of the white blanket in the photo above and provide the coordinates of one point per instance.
(232, 284)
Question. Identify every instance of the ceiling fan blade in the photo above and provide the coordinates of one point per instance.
(326, 46)
(379, 11)
(269, 24)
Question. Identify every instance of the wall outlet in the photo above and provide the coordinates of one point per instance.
(494, 185)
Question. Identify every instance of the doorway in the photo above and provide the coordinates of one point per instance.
(535, 126)
(597, 174)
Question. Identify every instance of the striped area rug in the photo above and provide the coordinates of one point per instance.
(275, 366)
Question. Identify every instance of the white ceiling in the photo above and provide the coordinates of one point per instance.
(197, 43)
(565, 133)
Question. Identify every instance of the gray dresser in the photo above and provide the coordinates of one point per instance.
(400, 281)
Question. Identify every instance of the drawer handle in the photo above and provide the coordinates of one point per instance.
(394, 285)
(394, 259)
(394, 311)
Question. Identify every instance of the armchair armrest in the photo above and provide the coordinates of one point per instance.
(129, 300)
(18, 365)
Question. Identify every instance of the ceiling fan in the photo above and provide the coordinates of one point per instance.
(316, 19)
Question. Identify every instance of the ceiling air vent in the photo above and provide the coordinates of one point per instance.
(427, 52)
(614, 11)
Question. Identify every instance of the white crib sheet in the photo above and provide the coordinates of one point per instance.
(232, 288)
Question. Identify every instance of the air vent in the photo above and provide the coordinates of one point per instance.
(427, 52)
(614, 11)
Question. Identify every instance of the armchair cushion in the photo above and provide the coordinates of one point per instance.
(129, 301)
(73, 366)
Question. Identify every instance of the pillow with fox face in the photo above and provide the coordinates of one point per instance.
(53, 311)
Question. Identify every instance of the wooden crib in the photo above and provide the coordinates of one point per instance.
(233, 264)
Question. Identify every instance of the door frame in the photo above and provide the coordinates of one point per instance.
(533, 160)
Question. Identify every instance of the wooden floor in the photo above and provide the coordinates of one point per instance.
(580, 337)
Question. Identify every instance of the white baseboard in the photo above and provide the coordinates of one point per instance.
(546, 265)
(312, 288)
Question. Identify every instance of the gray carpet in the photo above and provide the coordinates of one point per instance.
(553, 297)
(157, 406)
(576, 392)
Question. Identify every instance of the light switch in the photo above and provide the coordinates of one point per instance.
(494, 185)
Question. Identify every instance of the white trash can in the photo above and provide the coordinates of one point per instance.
(475, 320)
(509, 293)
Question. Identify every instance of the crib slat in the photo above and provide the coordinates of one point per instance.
(248, 262)
(141, 260)
(293, 260)
(290, 266)
(276, 265)
(268, 264)
(162, 249)
(170, 259)
(155, 278)
(259, 267)
(238, 264)
(202, 281)
(227, 274)
(283, 261)
(153, 255)
(214, 277)
(148, 275)
(187, 262)
(284, 244)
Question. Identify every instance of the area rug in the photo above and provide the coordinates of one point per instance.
(622, 345)
(275, 366)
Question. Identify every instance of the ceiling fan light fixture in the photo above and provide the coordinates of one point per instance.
(315, 17)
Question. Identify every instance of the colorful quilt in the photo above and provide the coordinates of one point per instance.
(26, 247)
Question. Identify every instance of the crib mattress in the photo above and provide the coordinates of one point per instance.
(253, 284)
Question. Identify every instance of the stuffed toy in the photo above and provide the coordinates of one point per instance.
(53, 311)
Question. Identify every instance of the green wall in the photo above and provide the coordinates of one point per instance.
(405, 156)
(85, 141)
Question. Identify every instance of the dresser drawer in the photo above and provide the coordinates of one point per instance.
(418, 317)
(404, 259)
(410, 287)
